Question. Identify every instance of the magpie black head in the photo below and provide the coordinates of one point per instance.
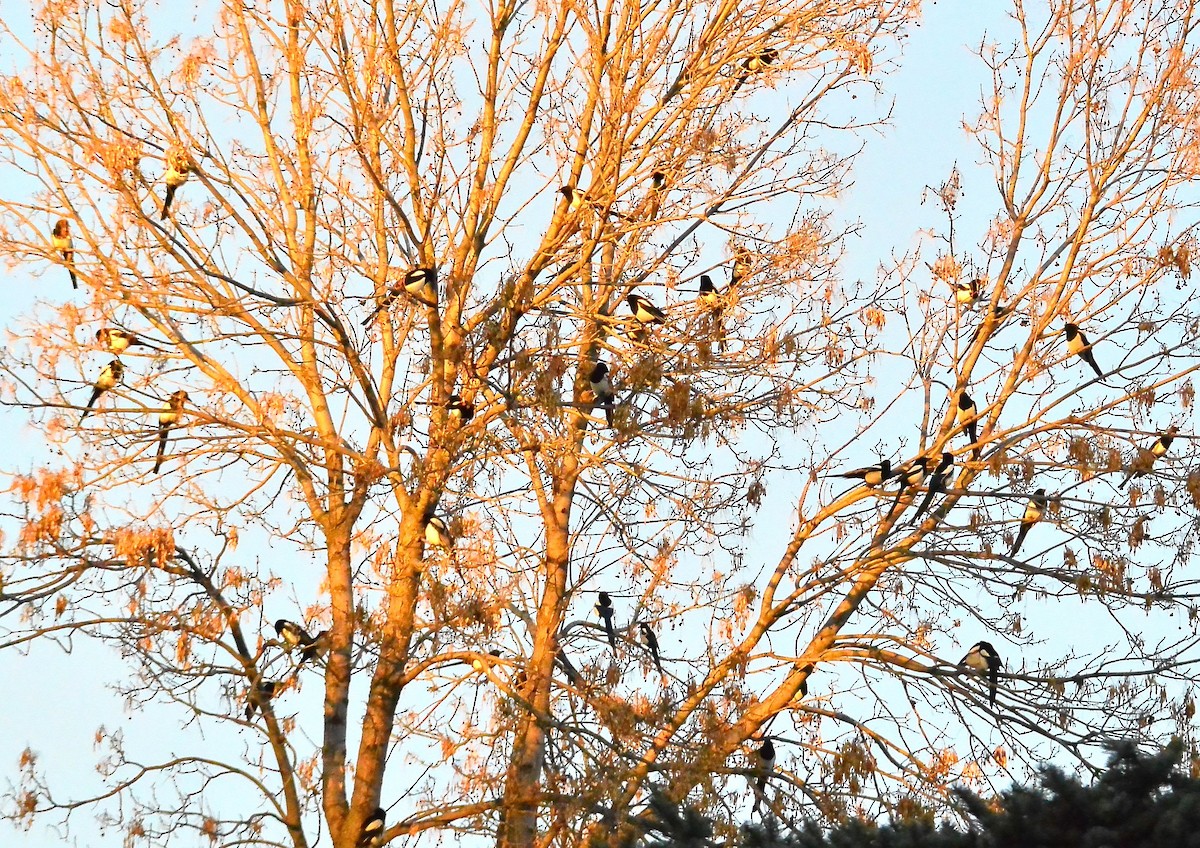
(598, 373)
(706, 285)
(605, 601)
(965, 402)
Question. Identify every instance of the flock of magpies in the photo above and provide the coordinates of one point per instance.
(421, 284)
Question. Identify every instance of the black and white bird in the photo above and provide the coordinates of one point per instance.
(911, 476)
(937, 483)
(966, 416)
(60, 240)
(421, 284)
(459, 410)
(602, 389)
(644, 311)
(968, 292)
(743, 259)
(1148, 456)
(259, 696)
(764, 768)
(604, 606)
(418, 283)
(291, 634)
(651, 643)
(1078, 344)
(981, 658)
(709, 297)
(112, 374)
(759, 59)
(172, 411)
(437, 533)
(119, 341)
(179, 167)
(316, 648)
(872, 475)
(1035, 509)
(577, 199)
(371, 834)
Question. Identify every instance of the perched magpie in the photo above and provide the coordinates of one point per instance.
(1148, 456)
(418, 283)
(371, 834)
(291, 634)
(872, 475)
(316, 648)
(459, 409)
(966, 293)
(259, 696)
(1078, 344)
(758, 61)
(1035, 508)
(910, 478)
(171, 412)
(602, 389)
(118, 341)
(422, 285)
(651, 642)
(645, 311)
(766, 765)
(709, 296)
(605, 607)
(437, 533)
(967, 415)
(178, 169)
(112, 374)
(937, 483)
(742, 259)
(983, 658)
(60, 240)
(577, 199)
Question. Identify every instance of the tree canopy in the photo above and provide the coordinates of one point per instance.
(448, 414)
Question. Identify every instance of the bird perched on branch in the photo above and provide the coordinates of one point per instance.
(645, 311)
(437, 533)
(1148, 456)
(651, 643)
(910, 478)
(966, 417)
(604, 606)
(294, 636)
(168, 418)
(755, 63)
(872, 475)
(60, 240)
(577, 199)
(602, 389)
(119, 341)
(179, 167)
(982, 657)
(113, 373)
(459, 410)
(1035, 508)
(765, 767)
(371, 834)
(937, 483)
(259, 696)
(968, 292)
(418, 283)
(1078, 344)
(291, 634)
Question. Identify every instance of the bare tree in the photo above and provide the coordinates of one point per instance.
(506, 321)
